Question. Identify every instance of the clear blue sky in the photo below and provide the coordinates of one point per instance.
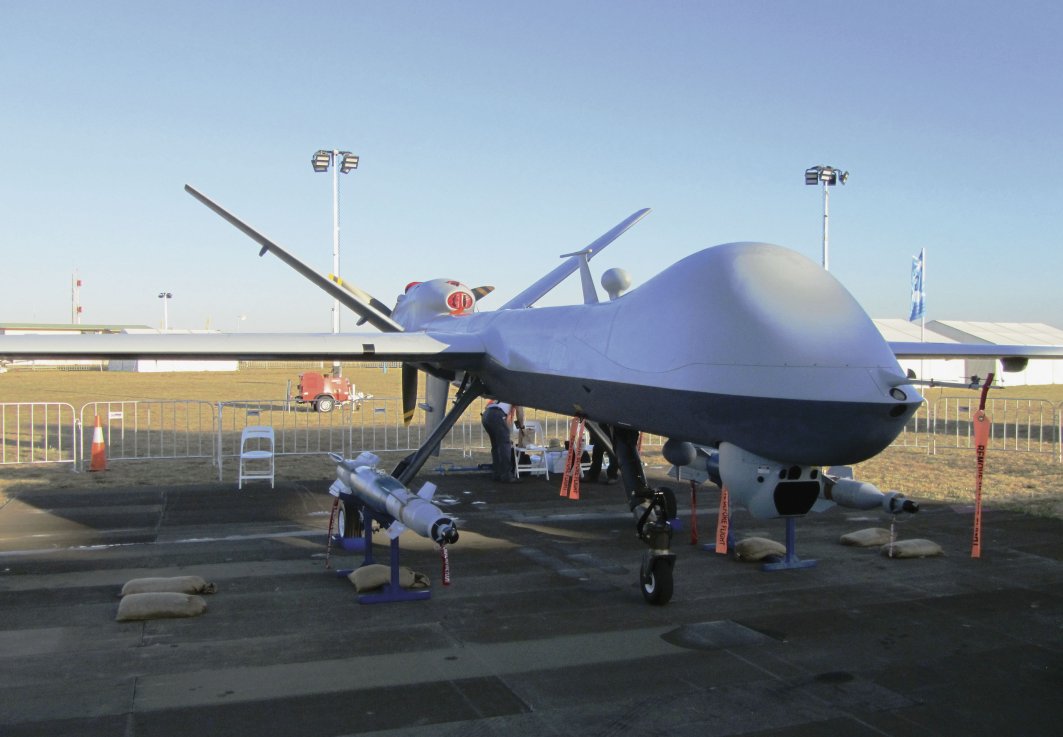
(495, 136)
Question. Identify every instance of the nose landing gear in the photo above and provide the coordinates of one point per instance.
(654, 511)
(654, 517)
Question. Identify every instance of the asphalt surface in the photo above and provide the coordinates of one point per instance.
(542, 631)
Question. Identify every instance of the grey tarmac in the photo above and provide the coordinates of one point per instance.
(542, 631)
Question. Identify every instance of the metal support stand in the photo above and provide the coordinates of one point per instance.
(711, 547)
(393, 590)
(790, 560)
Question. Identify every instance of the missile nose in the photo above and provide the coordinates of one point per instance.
(445, 532)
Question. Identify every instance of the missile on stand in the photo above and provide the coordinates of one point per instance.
(384, 494)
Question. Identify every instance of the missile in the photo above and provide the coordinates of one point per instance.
(384, 494)
(848, 492)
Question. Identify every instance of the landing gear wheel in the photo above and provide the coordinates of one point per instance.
(348, 525)
(655, 578)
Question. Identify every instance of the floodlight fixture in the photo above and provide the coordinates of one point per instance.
(321, 160)
(348, 162)
(828, 175)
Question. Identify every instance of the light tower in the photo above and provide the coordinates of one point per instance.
(828, 176)
(341, 162)
(165, 297)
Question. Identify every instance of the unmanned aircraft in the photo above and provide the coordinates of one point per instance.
(750, 359)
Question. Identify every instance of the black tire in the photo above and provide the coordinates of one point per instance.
(655, 580)
(324, 403)
(348, 522)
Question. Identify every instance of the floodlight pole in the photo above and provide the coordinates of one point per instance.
(165, 297)
(826, 226)
(335, 239)
(828, 176)
(338, 161)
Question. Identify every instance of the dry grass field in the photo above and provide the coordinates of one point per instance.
(1014, 479)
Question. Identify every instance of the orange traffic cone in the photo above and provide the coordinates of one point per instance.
(99, 448)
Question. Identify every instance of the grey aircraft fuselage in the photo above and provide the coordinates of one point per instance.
(746, 343)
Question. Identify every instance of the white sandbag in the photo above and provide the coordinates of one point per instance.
(176, 584)
(867, 538)
(758, 548)
(375, 575)
(917, 548)
(160, 605)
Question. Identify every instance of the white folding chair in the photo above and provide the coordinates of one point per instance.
(529, 456)
(256, 454)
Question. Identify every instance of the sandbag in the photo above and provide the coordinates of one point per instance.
(176, 584)
(867, 538)
(758, 548)
(917, 548)
(375, 575)
(160, 605)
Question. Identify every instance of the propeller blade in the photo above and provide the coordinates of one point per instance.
(409, 392)
(363, 295)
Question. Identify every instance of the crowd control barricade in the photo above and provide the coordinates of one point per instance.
(147, 429)
(1023, 425)
(38, 432)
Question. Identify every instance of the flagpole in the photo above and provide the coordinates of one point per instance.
(922, 317)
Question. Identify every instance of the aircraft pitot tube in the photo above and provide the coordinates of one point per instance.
(384, 494)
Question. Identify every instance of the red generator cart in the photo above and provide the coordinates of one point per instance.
(323, 391)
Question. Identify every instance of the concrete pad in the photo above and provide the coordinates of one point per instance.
(542, 631)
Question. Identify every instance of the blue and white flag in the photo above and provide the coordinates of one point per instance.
(918, 288)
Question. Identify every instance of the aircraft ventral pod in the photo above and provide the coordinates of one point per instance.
(756, 364)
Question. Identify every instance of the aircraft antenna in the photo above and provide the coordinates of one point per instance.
(590, 294)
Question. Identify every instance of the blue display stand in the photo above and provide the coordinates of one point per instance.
(391, 591)
(711, 547)
(790, 560)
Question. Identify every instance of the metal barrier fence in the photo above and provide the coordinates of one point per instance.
(1026, 425)
(149, 429)
(53, 432)
(38, 432)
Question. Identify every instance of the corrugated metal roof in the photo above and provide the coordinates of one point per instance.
(901, 330)
(1002, 333)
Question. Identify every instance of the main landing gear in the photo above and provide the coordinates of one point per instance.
(654, 510)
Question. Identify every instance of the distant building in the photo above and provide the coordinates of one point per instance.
(938, 369)
(29, 328)
(152, 365)
(140, 365)
(1037, 371)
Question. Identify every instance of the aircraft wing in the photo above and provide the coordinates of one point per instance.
(1012, 357)
(974, 350)
(361, 303)
(453, 351)
(536, 291)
